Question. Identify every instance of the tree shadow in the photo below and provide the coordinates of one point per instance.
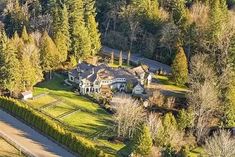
(56, 83)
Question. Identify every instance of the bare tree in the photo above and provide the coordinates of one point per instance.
(154, 122)
(198, 14)
(129, 114)
(220, 145)
(169, 37)
(203, 98)
(157, 98)
(42, 23)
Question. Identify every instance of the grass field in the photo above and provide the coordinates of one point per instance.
(164, 80)
(88, 117)
(197, 152)
(7, 150)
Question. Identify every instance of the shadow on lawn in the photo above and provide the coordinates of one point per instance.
(56, 84)
(99, 133)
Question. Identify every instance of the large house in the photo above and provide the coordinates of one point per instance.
(91, 79)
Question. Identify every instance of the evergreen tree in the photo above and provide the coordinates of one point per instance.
(185, 119)
(218, 15)
(180, 67)
(81, 45)
(31, 72)
(230, 106)
(120, 58)
(112, 58)
(62, 36)
(128, 58)
(24, 35)
(15, 18)
(94, 34)
(89, 9)
(179, 14)
(148, 8)
(167, 131)
(142, 141)
(49, 54)
(10, 69)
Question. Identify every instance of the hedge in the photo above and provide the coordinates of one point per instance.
(74, 142)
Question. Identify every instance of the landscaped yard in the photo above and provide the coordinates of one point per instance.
(58, 100)
(168, 84)
(7, 150)
(197, 152)
(167, 87)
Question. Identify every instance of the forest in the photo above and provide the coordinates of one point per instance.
(195, 37)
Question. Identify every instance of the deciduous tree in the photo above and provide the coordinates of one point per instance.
(221, 144)
(128, 117)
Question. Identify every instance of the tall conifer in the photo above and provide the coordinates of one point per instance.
(142, 143)
(62, 36)
(92, 26)
(120, 58)
(81, 46)
(180, 67)
(9, 71)
(49, 54)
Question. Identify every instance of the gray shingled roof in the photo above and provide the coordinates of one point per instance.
(91, 72)
(74, 73)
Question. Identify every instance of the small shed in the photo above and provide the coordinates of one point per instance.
(138, 89)
(27, 95)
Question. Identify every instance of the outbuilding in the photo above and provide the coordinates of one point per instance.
(27, 95)
(138, 89)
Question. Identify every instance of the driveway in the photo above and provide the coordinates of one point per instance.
(137, 58)
(29, 139)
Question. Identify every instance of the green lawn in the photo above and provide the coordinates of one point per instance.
(90, 119)
(168, 84)
(44, 100)
(197, 152)
(7, 150)
(58, 109)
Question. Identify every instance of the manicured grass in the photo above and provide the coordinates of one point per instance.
(39, 102)
(58, 109)
(7, 150)
(87, 122)
(168, 84)
(90, 119)
(197, 152)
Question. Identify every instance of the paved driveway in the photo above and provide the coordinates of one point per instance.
(29, 139)
(136, 58)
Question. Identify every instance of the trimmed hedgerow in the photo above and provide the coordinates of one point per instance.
(51, 128)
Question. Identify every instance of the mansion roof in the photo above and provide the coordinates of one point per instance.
(104, 72)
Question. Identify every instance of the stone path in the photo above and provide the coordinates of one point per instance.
(29, 139)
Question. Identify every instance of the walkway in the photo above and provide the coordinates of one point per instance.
(29, 139)
(136, 58)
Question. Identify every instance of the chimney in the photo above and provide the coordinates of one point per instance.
(93, 71)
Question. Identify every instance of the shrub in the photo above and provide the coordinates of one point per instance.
(49, 127)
